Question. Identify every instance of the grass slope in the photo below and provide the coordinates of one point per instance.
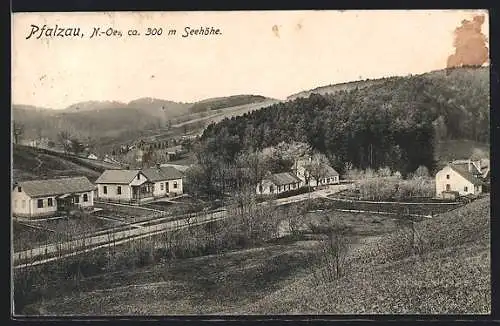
(30, 163)
(452, 276)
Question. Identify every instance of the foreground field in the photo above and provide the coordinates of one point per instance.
(450, 274)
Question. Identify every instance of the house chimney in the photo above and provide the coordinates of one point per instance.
(469, 165)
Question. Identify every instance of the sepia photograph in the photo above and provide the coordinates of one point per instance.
(228, 163)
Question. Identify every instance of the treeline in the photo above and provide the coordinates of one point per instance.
(393, 124)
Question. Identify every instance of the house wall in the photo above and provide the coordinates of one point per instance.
(456, 182)
(168, 187)
(89, 202)
(178, 190)
(21, 203)
(266, 188)
(269, 187)
(112, 191)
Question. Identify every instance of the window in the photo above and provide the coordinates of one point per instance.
(77, 199)
(166, 186)
(49, 202)
(260, 188)
(465, 189)
(448, 187)
(447, 176)
(23, 203)
(175, 184)
(105, 189)
(271, 189)
(19, 189)
(39, 203)
(119, 190)
(161, 186)
(139, 176)
(85, 197)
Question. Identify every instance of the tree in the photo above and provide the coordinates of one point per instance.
(316, 167)
(334, 249)
(421, 172)
(77, 147)
(18, 131)
(64, 139)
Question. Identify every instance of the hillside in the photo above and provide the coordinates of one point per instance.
(30, 163)
(332, 89)
(452, 275)
(99, 119)
(394, 122)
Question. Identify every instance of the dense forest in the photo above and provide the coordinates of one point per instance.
(395, 123)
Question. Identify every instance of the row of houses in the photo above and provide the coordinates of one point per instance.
(38, 198)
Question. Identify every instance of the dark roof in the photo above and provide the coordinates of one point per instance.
(464, 172)
(162, 173)
(50, 187)
(284, 178)
(117, 176)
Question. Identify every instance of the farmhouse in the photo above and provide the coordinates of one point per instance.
(462, 177)
(278, 183)
(139, 185)
(40, 198)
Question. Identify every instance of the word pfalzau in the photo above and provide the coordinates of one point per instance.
(53, 31)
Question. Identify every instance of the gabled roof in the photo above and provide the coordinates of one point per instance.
(117, 176)
(162, 173)
(53, 187)
(284, 178)
(464, 172)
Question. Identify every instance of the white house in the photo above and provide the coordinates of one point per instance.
(92, 156)
(328, 174)
(166, 180)
(278, 183)
(462, 177)
(39, 198)
(139, 185)
(123, 185)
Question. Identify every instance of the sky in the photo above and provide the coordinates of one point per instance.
(270, 53)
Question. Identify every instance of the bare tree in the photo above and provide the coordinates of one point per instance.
(64, 139)
(334, 250)
(316, 167)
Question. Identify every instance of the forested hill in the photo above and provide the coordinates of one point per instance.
(393, 123)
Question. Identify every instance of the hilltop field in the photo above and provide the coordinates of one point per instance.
(449, 275)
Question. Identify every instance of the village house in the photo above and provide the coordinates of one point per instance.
(278, 183)
(39, 198)
(139, 185)
(460, 178)
(92, 156)
(166, 180)
(328, 174)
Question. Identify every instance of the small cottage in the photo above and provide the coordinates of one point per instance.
(278, 183)
(39, 198)
(463, 177)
